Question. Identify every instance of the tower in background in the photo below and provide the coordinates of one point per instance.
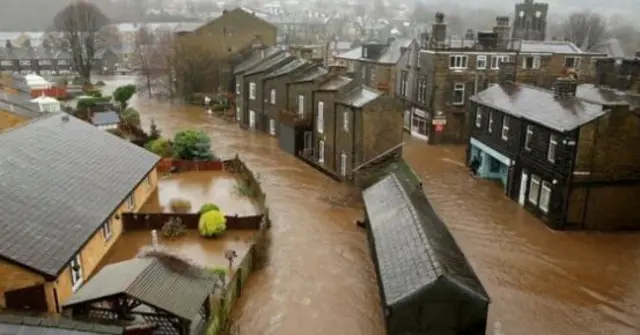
(530, 21)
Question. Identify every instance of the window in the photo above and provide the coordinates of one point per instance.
(364, 69)
(481, 62)
(494, 165)
(527, 138)
(6, 63)
(403, 83)
(572, 62)
(237, 88)
(25, 62)
(496, 60)
(320, 120)
(272, 126)
(534, 189)
(272, 94)
(44, 62)
(76, 272)
(458, 62)
(545, 196)
(321, 152)
(300, 105)
(343, 164)
(345, 121)
(551, 152)
(252, 91)
(505, 127)
(478, 117)
(130, 202)
(531, 62)
(422, 90)
(365, 53)
(372, 74)
(106, 230)
(238, 113)
(490, 126)
(458, 94)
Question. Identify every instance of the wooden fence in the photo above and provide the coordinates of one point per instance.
(149, 221)
(168, 164)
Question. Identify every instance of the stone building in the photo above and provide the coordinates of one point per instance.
(530, 21)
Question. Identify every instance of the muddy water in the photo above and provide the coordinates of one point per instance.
(320, 279)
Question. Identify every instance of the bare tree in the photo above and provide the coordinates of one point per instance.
(155, 52)
(197, 64)
(80, 24)
(585, 29)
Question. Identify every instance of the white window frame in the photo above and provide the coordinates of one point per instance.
(535, 62)
(272, 126)
(237, 88)
(527, 137)
(551, 150)
(252, 91)
(505, 128)
(457, 62)
(478, 117)
(534, 189)
(497, 59)
(343, 164)
(77, 277)
(6, 63)
(300, 104)
(481, 62)
(130, 201)
(490, 123)
(320, 118)
(345, 121)
(576, 62)
(458, 87)
(252, 119)
(238, 114)
(272, 95)
(106, 230)
(321, 151)
(25, 62)
(545, 196)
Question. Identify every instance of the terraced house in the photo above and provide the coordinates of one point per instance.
(61, 204)
(41, 60)
(568, 155)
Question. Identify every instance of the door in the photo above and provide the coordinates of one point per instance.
(252, 119)
(524, 178)
(307, 140)
(343, 164)
(272, 126)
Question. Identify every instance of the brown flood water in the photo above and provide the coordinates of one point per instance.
(320, 278)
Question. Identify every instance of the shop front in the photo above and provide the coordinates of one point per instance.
(420, 124)
(491, 164)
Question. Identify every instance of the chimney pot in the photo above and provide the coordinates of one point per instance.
(439, 17)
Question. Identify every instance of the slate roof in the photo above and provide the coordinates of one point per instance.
(29, 325)
(391, 55)
(359, 97)
(312, 74)
(20, 104)
(256, 59)
(414, 251)
(602, 95)
(612, 47)
(539, 105)
(153, 283)
(295, 64)
(552, 47)
(105, 118)
(270, 63)
(59, 181)
(335, 83)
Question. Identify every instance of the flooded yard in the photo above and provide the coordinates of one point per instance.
(200, 187)
(205, 252)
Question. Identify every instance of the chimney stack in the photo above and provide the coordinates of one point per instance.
(507, 72)
(502, 29)
(469, 35)
(439, 30)
(605, 68)
(337, 69)
(565, 87)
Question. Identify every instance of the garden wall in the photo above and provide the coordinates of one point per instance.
(149, 221)
(167, 164)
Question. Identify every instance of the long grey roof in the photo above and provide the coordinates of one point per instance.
(391, 54)
(61, 178)
(269, 64)
(29, 325)
(539, 105)
(414, 251)
(153, 283)
(256, 59)
(552, 47)
(294, 65)
(359, 97)
(312, 74)
(335, 83)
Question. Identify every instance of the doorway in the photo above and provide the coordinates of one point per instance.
(524, 179)
(252, 119)
(308, 141)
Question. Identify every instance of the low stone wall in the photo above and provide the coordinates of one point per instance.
(150, 221)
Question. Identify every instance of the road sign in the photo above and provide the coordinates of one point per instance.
(439, 128)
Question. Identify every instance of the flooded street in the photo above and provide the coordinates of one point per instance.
(320, 279)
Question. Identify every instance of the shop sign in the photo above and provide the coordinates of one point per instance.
(439, 121)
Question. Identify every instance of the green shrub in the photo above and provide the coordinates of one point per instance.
(208, 207)
(131, 117)
(219, 271)
(180, 205)
(192, 145)
(161, 147)
(173, 228)
(212, 223)
(95, 94)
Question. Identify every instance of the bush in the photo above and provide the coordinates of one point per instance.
(131, 117)
(219, 271)
(161, 147)
(208, 208)
(123, 94)
(212, 223)
(173, 228)
(192, 145)
(180, 205)
(95, 94)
